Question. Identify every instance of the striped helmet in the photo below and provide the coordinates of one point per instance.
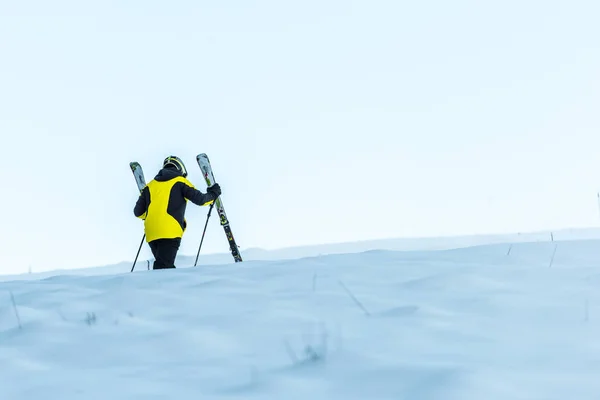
(177, 163)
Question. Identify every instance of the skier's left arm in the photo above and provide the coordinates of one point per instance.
(141, 205)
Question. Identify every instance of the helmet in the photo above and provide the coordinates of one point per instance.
(177, 163)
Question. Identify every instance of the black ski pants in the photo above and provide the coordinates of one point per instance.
(164, 251)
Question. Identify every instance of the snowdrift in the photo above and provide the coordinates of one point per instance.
(498, 321)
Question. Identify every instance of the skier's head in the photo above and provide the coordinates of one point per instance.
(175, 162)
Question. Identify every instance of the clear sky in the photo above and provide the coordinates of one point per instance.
(325, 120)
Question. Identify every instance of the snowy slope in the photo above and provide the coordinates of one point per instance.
(498, 321)
(291, 253)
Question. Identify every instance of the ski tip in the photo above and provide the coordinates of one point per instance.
(201, 155)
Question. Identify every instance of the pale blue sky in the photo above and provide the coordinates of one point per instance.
(325, 120)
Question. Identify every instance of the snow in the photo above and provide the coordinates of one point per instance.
(510, 319)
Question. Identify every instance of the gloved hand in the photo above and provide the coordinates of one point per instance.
(215, 190)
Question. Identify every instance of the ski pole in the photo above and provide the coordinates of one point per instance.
(138, 252)
(205, 225)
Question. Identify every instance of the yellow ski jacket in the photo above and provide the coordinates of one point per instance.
(162, 204)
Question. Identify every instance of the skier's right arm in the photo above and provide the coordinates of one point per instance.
(141, 205)
(196, 196)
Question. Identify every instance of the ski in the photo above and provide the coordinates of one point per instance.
(205, 167)
(138, 174)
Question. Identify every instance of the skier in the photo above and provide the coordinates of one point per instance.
(162, 205)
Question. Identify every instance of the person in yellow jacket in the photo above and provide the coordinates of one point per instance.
(162, 205)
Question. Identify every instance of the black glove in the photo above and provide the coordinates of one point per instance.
(215, 190)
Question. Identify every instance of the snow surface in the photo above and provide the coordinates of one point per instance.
(496, 321)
